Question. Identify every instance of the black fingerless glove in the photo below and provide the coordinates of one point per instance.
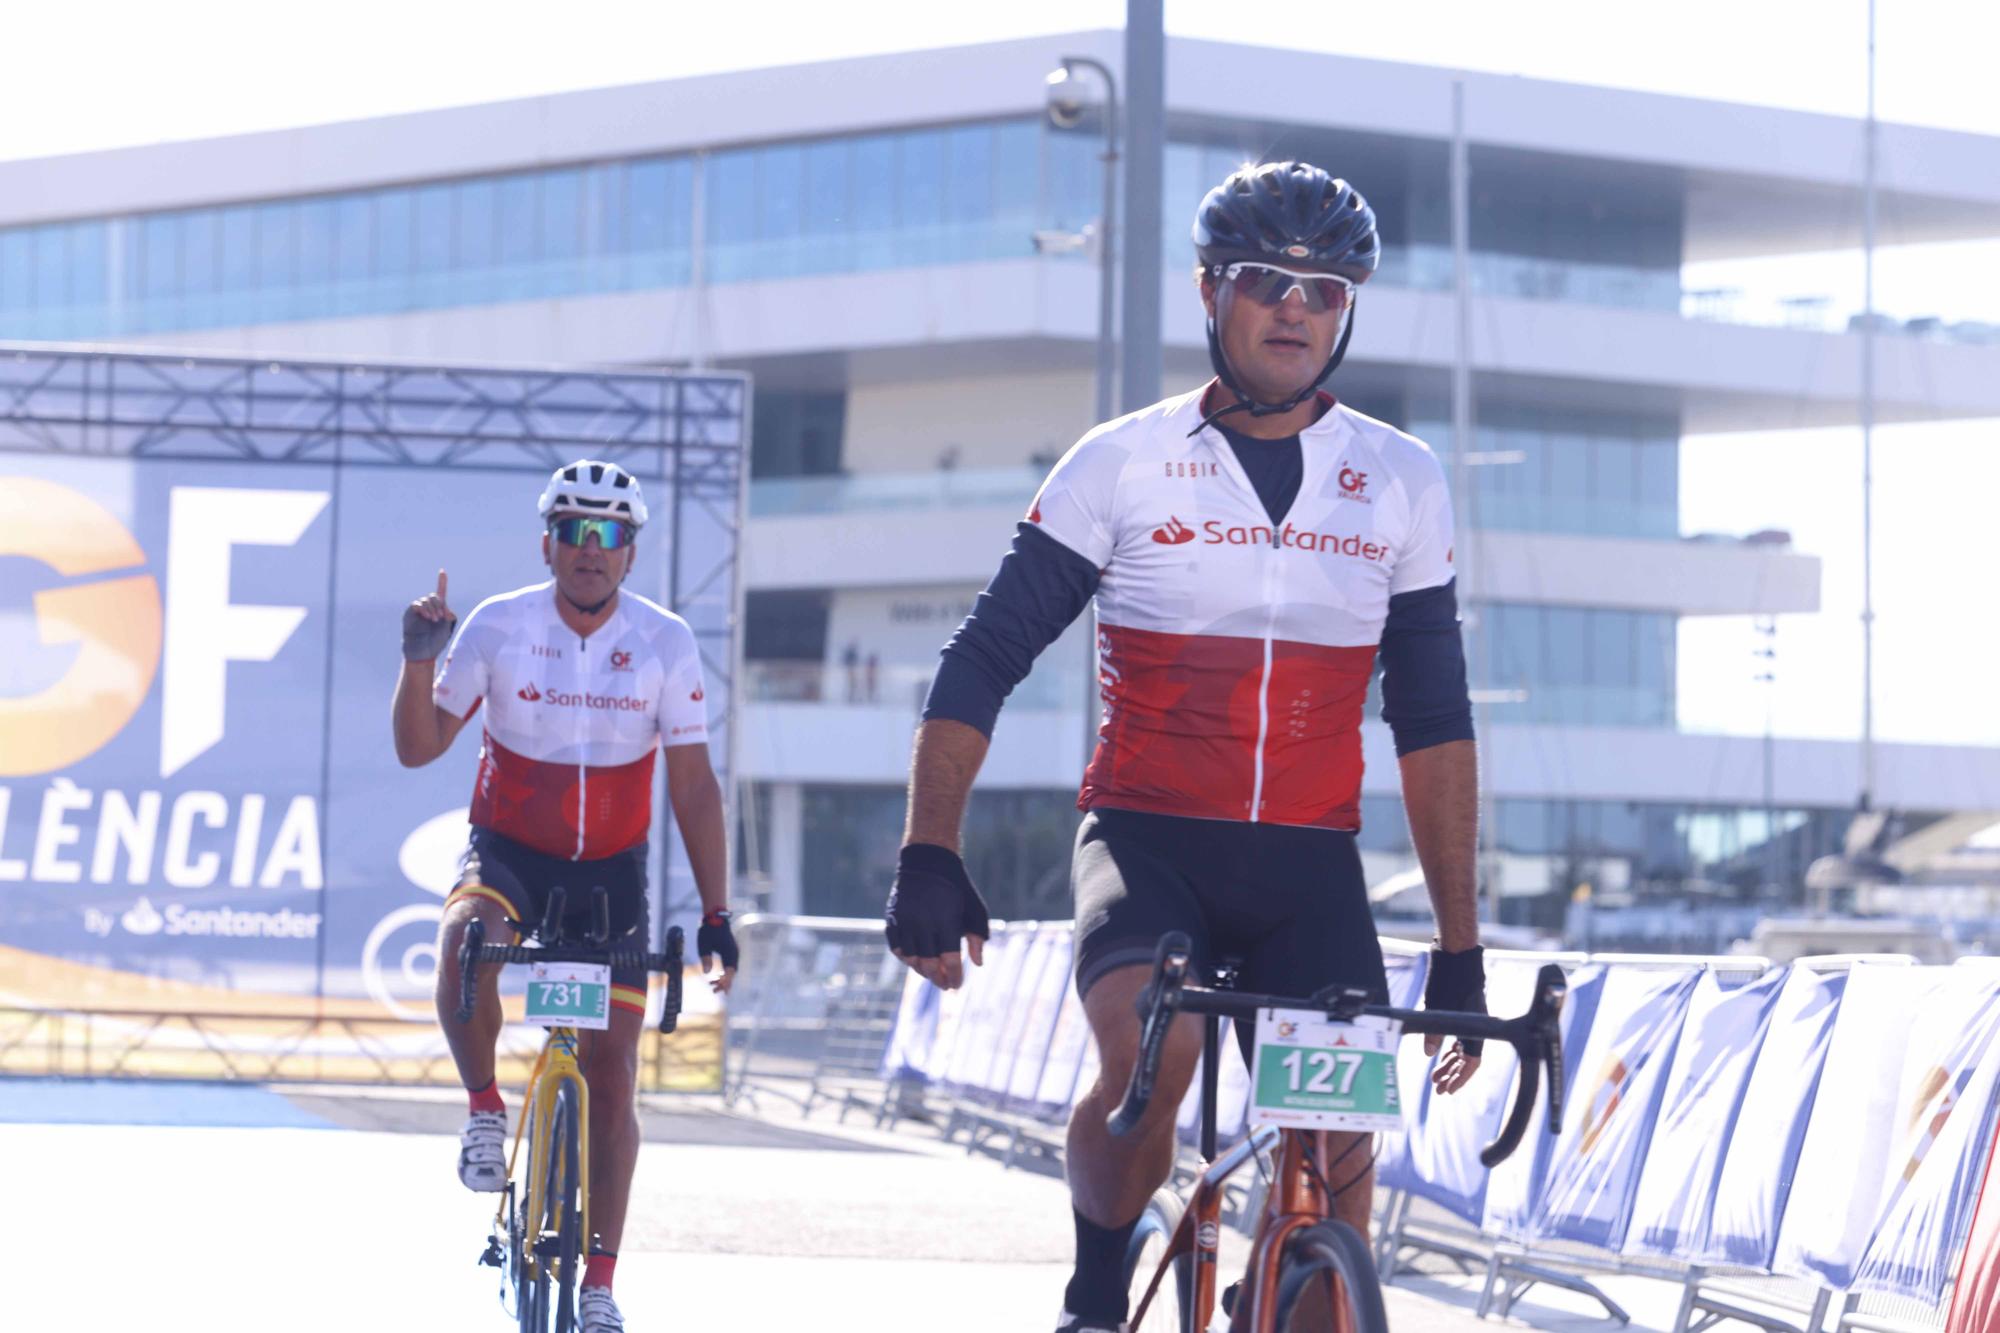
(1458, 981)
(932, 904)
(425, 639)
(715, 940)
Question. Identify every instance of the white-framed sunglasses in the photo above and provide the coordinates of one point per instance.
(1268, 284)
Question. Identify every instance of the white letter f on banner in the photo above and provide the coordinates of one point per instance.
(204, 631)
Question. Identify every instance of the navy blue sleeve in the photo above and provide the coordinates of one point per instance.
(1424, 699)
(1040, 587)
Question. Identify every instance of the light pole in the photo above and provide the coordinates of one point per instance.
(1066, 107)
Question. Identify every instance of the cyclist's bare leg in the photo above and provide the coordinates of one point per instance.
(610, 1062)
(1353, 1178)
(1110, 1179)
(471, 1043)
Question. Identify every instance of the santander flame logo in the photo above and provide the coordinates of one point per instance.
(529, 693)
(1173, 533)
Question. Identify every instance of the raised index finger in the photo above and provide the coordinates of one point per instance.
(440, 585)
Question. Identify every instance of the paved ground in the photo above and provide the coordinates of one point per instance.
(251, 1209)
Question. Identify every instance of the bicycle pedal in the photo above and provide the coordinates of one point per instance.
(492, 1258)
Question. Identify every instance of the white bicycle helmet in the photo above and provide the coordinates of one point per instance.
(590, 487)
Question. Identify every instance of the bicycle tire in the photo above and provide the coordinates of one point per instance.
(565, 1204)
(531, 1285)
(1337, 1249)
(1169, 1312)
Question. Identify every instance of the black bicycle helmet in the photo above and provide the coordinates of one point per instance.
(1294, 215)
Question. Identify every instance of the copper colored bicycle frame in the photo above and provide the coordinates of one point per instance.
(1294, 1200)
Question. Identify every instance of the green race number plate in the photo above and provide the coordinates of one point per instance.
(573, 995)
(1313, 1073)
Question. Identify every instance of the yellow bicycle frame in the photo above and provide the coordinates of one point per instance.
(554, 1066)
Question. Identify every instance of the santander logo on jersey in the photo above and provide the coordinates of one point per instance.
(1288, 538)
(603, 703)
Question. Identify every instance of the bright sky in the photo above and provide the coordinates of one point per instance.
(87, 75)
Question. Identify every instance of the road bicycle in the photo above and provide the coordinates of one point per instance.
(542, 1226)
(1326, 1061)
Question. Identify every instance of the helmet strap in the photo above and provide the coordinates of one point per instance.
(1244, 402)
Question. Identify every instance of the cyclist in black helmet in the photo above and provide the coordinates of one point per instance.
(1253, 547)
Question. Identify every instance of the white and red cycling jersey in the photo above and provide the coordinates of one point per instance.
(1235, 653)
(566, 762)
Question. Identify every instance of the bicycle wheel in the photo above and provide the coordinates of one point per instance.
(1169, 1311)
(1327, 1283)
(561, 1245)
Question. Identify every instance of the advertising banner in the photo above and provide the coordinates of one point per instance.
(203, 566)
(1621, 1073)
(1762, 1156)
(1975, 1297)
(1947, 1112)
(1406, 991)
(1513, 1198)
(1446, 1133)
(1720, 1037)
(1909, 1044)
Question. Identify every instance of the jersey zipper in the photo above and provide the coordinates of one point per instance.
(1227, 457)
(1271, 579)
(583, 727)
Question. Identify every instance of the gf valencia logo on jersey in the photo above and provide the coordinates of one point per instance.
(1173, 532)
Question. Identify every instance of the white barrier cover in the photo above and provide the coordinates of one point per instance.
(1025, 997)
(1758, 1165)
(1069, 1045)
(1513, 1195)
(1446, 1133)
(1621, 1074)
(1406, 990)
(1907, 1039)
(914, 1032)
(1720, 1037)
(1052, 993)
(1936, 1169)
(988, 990)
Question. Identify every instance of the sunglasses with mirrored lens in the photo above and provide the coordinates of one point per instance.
(1267, 284)
(611, 533)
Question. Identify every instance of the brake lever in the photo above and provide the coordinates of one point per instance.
(1157, 1005)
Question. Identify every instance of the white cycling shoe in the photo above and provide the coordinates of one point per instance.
(597, 1312)
(482, 1152)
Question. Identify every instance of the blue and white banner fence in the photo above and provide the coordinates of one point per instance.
(1828, 1127)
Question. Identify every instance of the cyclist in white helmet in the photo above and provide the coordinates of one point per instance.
(581, 681)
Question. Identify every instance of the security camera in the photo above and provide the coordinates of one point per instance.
(1066, 103)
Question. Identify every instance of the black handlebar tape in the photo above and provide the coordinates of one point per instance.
(468, 968)
(670, 1009)
(1159, 1001)
(600, 905)
(1503, 1147)
(1542, 1050)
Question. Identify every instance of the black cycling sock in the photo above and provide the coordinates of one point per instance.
(1097, 1287)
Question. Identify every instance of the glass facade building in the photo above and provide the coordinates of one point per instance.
(950, 194)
